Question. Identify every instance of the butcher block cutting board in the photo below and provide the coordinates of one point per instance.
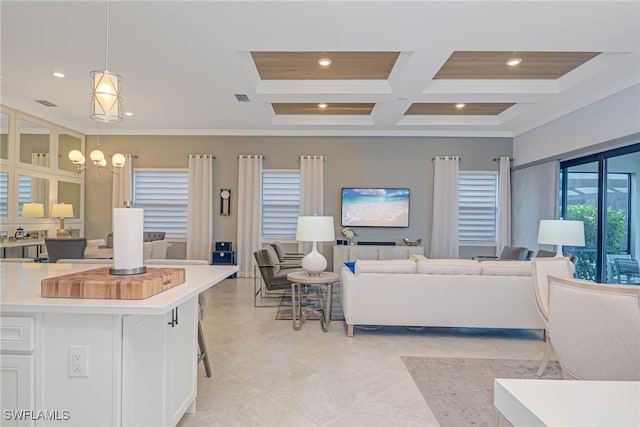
(98, 283)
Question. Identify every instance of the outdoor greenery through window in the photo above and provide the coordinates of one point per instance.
(477, 206)
(280, 203)
(163, 194)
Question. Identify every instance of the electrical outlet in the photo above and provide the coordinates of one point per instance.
(78, 361)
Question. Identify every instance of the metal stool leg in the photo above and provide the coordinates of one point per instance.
(203, 356)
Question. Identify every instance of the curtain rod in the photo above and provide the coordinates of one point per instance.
(301, 156)
(205, 155)
(249, 156)
(446, 157)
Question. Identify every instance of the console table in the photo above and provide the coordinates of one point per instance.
(346, 253)
(566, 403)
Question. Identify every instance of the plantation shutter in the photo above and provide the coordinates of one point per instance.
(162, 193)
(280, 203)
(478, 206)
(24, 192)
(4, 189)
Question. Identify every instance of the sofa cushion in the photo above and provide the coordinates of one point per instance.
(385, 266)
(351, 265)
(506, 268)
(448, 266)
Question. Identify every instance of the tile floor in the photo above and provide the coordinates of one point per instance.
(267, 374)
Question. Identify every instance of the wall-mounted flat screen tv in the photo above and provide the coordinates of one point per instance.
(375, 207)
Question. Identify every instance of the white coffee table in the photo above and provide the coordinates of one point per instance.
(568, 403)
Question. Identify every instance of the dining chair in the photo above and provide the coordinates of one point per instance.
(65, 248)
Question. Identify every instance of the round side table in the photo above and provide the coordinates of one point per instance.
(300, 278)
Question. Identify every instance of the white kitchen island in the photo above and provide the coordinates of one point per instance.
(137, 358)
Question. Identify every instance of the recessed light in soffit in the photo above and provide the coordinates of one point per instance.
(334, 108)
(480, 65)
(344, 66)
(450, 109)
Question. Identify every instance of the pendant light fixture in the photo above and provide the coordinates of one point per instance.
(106, 102)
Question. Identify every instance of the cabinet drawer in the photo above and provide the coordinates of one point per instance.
(17, 333)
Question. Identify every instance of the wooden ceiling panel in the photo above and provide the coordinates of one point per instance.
(449, 109)
(344, 66)
(492, 65)
(333, 109)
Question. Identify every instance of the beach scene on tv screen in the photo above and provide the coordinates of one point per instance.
(375, 207)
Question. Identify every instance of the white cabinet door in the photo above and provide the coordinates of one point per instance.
(182, 361)
(159, 366)
(17, 377)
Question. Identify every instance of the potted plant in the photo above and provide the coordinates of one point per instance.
(349, 234)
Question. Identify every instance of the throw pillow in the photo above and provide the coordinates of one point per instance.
(351, 266)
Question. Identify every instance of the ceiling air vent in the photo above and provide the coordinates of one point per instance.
(241, 97)
(45, 103)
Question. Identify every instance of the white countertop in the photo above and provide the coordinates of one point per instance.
(568, 403)
(20, 290)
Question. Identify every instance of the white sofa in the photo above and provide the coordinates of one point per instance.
(440, 292)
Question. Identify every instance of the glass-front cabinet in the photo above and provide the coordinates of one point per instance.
(35, 173)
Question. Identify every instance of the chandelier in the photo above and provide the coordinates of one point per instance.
(97, 158)
(106, 102)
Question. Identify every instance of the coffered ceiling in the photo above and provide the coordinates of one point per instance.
(415, 68)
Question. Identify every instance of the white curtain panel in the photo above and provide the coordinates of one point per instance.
(444, 227)
(504, 205)
(249, 212)
(40, 159)
(534, 197)
(122, 183)
(200, 208)
(311, 191)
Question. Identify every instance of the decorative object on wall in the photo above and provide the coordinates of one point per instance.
(62, 211)
(106, 102)
(225, 201)
(315, 229)
(560, 232)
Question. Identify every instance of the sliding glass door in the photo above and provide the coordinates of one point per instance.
(602, 190)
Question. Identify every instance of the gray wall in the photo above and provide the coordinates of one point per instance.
(351, 161)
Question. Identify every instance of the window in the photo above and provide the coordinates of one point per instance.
(163, 194)
(477, 206)
(280, 203)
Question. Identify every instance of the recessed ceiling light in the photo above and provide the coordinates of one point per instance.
(513, 61)
(322, 105)
(58, 75)
(325, 62)
(460, 105)
(128, 113)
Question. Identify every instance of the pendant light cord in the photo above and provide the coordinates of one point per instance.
(106, 47)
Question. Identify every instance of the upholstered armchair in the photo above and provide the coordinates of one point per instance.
(541, 268)
(595, 329)
(273, 273)
(284, 256)
(509, 253)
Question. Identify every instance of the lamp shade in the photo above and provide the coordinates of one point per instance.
(61, 210)
(106, 102)
(315, 229)
(33, 210)
(561, 232)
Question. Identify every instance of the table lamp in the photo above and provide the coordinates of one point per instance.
(315, 229)
(33, 210)
(560, 232)
(62, 211)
